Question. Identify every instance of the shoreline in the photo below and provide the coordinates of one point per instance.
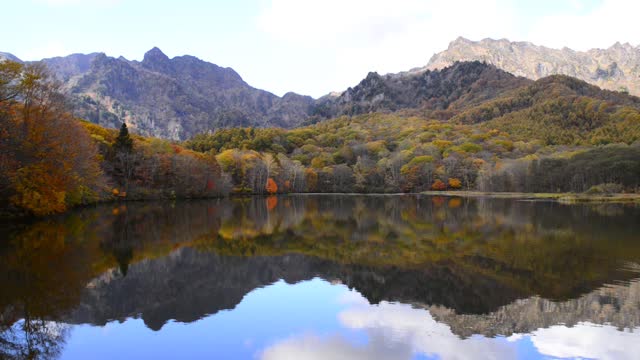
(565, 198)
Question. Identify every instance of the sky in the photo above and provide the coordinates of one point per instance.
(311, 47)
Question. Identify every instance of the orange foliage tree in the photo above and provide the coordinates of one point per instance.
(49, 161)
(438, 185)
(271, 186)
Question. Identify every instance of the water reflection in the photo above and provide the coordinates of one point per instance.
(471, 270)
(32, 339)
(399, 331)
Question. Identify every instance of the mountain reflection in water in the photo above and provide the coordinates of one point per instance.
(324, 276)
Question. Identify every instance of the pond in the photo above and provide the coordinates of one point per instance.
(324, 277)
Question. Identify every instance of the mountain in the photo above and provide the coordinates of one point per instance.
(180, 97)
(615, 68)
(171, 98)
(67, 68)
(447, 90)
(557, 109)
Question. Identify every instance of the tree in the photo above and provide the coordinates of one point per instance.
(311, 179)
(123, 142)
(10, 72)
(417, 173)
(47, 159)
(455, 183)
(125, 158)
(438, 185)
(343, 179)
(271, 186)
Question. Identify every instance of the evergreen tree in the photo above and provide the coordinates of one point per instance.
(124, 157)
(123, 142)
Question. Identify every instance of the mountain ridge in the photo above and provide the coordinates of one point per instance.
(166, 97)
(179, 97)
(614, 68)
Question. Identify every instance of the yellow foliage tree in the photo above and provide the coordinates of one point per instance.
(455, 183)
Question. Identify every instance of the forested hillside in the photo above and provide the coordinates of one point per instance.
(389, 153)
(473, 128)
(557, 134)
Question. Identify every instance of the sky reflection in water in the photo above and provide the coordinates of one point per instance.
(320, 320)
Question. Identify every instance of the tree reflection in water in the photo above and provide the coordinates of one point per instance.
(33, 339)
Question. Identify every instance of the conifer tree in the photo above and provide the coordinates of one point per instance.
(125, 158)
(123, 142)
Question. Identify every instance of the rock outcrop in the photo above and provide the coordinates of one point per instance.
(616, 68)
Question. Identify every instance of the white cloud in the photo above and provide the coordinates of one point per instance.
(416, 328)
(352, 297)
(313, 347)
(601, 27)
(354, 37)
(343, 40)
(395, 331)
(588, 341)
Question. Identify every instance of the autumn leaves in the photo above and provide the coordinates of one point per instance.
(47, 159)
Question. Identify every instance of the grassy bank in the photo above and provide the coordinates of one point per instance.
(569, 198)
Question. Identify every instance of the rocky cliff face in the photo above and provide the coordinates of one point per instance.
(615, 305)
(616, 68)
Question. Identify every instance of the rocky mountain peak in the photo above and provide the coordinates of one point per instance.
(101, 60)
(429, 91)
(615, 68)
(622, 46)
(155, 59)
(373, 78)
(459, 41)
(155, 54)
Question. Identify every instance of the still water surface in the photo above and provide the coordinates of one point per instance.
(324, 277)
